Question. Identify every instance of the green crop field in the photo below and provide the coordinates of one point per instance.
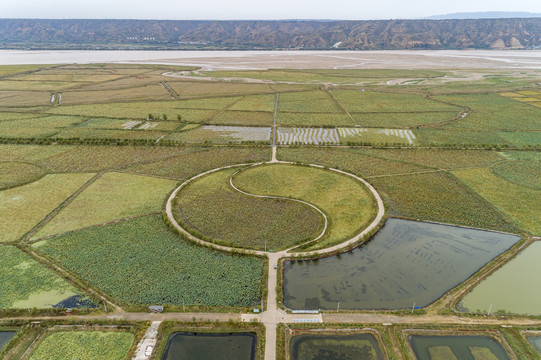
(142, 262)
(352, 160)
(28, 284)
(437, 196)
(347, 203)
(21, 208)
(371, 101)
(18, 173)
(184, 166)
(84, 345)
(311, 101)
(520, 203)
(211, 208)
(401, 119)
(313, 119)
(248, 118)
(113, 196)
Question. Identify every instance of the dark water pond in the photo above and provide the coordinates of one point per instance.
(335, 347)
(5, 337)
(198, 346)
(456, 347)
(406, 262)
(534, 340)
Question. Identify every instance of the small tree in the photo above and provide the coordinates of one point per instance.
(179, 117)
(164, 117)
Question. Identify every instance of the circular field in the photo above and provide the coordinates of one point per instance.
(211, 209)
(275, 207)
(13, 173)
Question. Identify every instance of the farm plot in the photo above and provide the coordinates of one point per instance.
(518, 202)
(310, 101)
(438, 196)
(97, 158)
(135, 110)
(495, 112)
(24, 99)
(211, 209)
(88, 133)
(377, 102)
(317, 136)
(18, 173)
(313, 119)
(402, 119)
(21, 208)
(84, 345)
(16, 129)
(376, 136)
(28, 284)
(255, 103)
(348, 205)
(249, 118)
(113, 196)
(186, 165)
(142, 262)
(222, 134)
(501, 292)
(355, 161)
(29, 153)
(476, 137)
(6, 116)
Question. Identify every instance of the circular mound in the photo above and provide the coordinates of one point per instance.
(211, 209)
(13, 173)
(523, 173)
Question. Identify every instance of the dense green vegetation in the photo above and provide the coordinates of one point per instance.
(210, 208)
(18, 173)
(28, 284)
(520, 203)
(84, 345)
(21, 208)
(349, 206)
(142, 262)
(113, 196)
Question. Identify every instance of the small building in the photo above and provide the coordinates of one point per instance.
(156, 308)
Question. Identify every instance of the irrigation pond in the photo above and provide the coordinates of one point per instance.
(406, 264)
(5, 338)
(202, 346)
(534, 340)
(502, 292)
(456, 348)
(335, 347)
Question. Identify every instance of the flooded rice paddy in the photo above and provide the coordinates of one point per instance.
(456, 348)
(502, 292)
(406, 263)
(5, 338)
(198, 346)
(335, 347)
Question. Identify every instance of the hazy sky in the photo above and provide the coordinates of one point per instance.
(252, 9)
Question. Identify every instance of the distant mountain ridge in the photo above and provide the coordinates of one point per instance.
(486, 15)
(516, 33)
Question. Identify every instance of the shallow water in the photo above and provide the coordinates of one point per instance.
(440, 347)
(535, 341)
(197, 346)
(510, 287)
(335, 347)
(5, 337)
(406, 262)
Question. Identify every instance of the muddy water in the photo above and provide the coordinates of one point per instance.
(197, 346)
(5, 337)
(456, 347)
(335, 347)
(405, 263)
(510, 287)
